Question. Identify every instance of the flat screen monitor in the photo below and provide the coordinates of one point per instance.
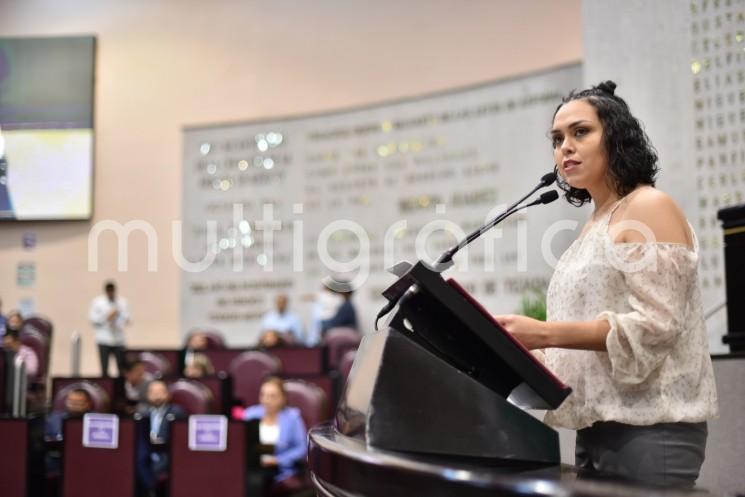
(46, 128)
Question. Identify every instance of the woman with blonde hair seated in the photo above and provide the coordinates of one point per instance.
(198, 365)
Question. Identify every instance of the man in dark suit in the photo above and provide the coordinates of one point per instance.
(77, 402)
(159, 412)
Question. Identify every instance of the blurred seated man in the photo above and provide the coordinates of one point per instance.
(159, 412)
(198, 365)
(283, 427)
(280, 326)
(12, 342)
(136, 380)
(77, 402)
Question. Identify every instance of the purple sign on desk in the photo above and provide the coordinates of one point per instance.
(208, 433)
(101, 431)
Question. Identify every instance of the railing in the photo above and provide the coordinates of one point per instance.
(76, 344)
(20, 385)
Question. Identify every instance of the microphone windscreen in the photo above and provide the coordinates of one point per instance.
(548, 197)
(548, 179)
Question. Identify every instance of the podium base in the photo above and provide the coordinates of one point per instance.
(411, 400)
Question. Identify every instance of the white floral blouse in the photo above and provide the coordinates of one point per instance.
(657, 368)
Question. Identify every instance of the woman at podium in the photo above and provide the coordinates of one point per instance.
(625, 325)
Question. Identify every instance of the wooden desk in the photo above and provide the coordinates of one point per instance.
(198, 474)
(89, 472)
(16, 458)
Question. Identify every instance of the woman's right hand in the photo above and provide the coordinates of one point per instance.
(532, 333)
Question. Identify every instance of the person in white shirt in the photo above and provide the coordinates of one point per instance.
(12, 342)
(281, 326)
(108, 315)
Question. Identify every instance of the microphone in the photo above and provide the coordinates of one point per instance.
(545, 198)
(446, 259)
(546, 180)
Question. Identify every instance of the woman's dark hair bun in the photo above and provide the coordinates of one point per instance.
(632, 160)
(608, 87)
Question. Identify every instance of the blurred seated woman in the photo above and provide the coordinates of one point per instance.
(283, 427)
(14, 321)
(195, 344)
(272, 339)
(198, 365)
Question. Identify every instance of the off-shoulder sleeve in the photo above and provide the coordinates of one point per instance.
(660, 278)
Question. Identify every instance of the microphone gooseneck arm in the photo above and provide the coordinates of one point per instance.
(447, 256)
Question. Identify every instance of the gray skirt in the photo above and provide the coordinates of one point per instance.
(664, 454)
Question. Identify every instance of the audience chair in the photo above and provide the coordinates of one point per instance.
(40, 324)
(21, 457)
(113, 387)
(5, 407)
(156, 364)
(339, 341)
(101, 400)
(194, 397)
(309, 398)
(345, 364)
(31, 337)
(93, 472)
(200, 473)
(301, 360)
(215, 339)
(248, 371)
(37, 385)
(221, 388)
